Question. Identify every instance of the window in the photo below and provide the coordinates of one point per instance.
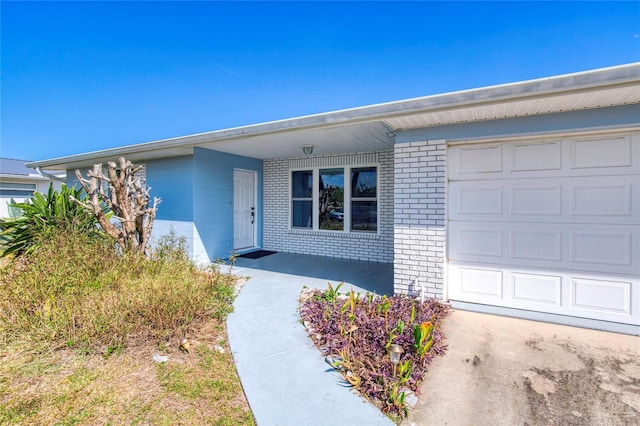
(301, 199)
(335, 199)
(364, 203)
(331, 199)
(17, 189)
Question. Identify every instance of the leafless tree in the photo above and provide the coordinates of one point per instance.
(124, 195)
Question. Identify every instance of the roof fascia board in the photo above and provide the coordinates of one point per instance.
(603, 130)
(621, 75)
(7, 176)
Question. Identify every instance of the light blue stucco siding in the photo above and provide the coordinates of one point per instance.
(171, 179)
(602, 118)
(71, 178)
(213, 198)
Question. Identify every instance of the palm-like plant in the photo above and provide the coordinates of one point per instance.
(41, 215)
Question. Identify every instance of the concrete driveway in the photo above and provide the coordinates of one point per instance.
(505, 371)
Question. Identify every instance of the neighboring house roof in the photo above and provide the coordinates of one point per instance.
(15, 169)
(373, 127)
(11, 168)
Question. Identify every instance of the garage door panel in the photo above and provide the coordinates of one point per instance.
(597, 199)
(602, 297)
(579, 247)
(536, 288)
(536, 200)
(613, 297)
(473, 241)
(482, 200)
(602, 199)
(536, 244)
(536, 156)
(482, 284)
(479, 159)
(592, 156)
(601, 152)
(603, 248)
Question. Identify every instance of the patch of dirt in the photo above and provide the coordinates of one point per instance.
(534, 344)
(240, 282)
(476, 360)
(604, 392)
(118, 387)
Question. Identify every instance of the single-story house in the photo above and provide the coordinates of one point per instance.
(522, 198)
(18, 182)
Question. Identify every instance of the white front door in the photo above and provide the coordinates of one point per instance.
(244, 211)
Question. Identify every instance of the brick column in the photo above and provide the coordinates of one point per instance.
(419, 217)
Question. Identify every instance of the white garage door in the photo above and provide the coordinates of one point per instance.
(550, 226)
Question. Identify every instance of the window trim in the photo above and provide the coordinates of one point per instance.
(316, 196)
(376, 199)
(17, 189)
(18, 186)
(315, 226)
(292, 199)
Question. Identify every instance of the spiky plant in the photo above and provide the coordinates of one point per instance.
(40, 215)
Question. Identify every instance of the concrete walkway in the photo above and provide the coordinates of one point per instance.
(285, 378)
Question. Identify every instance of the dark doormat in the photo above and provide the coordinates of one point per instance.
(257, 254)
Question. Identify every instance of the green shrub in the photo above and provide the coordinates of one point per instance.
(40, 216)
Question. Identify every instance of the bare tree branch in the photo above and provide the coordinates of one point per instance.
(127, 198)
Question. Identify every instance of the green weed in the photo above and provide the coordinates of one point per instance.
(79, 319)
(79, 292)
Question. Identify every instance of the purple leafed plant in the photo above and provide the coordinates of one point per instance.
(356, 333)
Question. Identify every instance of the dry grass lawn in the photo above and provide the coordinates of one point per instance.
(64, 387)
(80, 325)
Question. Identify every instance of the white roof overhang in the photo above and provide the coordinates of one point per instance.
(7, 177)
(373, 127)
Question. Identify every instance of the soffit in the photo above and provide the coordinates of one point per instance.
(520, 108)
(363, 137)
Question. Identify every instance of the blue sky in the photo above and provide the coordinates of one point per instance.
(83, 76)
